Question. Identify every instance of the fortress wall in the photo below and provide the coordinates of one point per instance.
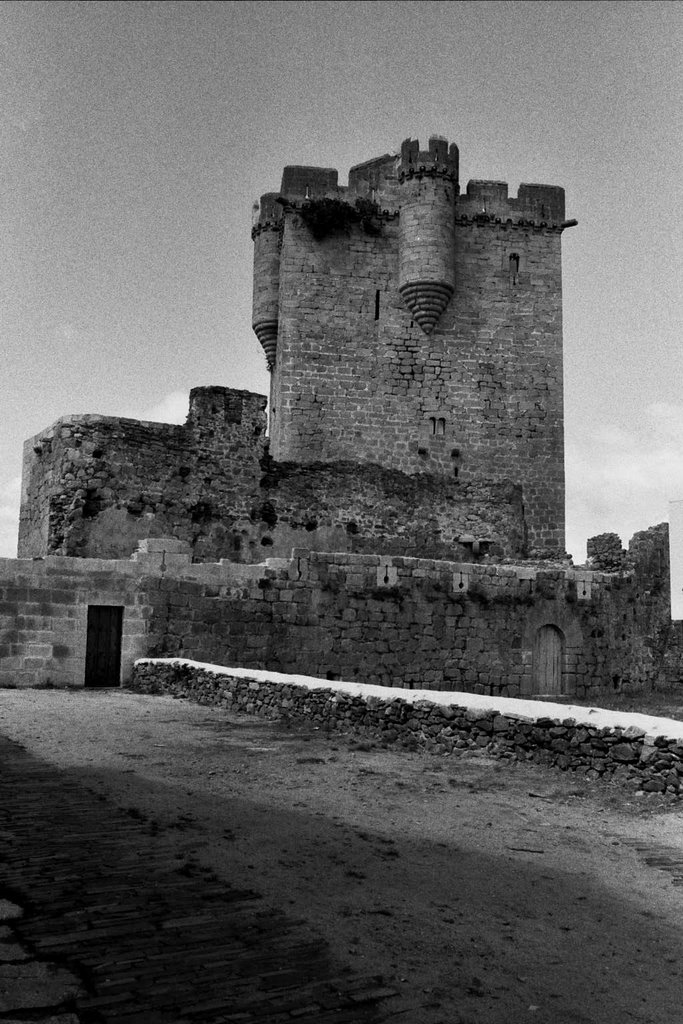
(506, 390)
(84, 466)
(44, 607)
(390, 620)
(421, 623)
(364, 508)
(478, 398)
(95, 486)
(44, 611)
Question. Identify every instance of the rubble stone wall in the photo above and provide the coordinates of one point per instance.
(653, 764)
(94, 486)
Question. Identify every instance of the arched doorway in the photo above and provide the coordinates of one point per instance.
(548, 658)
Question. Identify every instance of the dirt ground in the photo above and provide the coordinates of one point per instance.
(485, 893)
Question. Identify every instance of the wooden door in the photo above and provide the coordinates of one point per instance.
(547, 663)
(103, 646)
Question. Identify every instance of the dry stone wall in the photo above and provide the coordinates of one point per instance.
(649, 763)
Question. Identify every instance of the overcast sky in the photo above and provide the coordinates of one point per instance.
(135, 137)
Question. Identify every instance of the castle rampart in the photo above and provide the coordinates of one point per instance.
(389, 620)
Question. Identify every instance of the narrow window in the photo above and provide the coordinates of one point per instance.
(514, 266)
(432, 425)
(377, 293)
(440, 427)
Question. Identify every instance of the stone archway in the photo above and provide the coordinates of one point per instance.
(548, 660)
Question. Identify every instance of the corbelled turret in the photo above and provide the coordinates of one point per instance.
(266, 235)
(427, 228)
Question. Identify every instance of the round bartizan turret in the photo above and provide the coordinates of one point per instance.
(266, 235)
(427, 229)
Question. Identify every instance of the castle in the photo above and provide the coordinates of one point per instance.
(408, 494)
(414, 339)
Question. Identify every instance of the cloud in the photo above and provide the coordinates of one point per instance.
(10, 492)
(172, 408)
(621, 480)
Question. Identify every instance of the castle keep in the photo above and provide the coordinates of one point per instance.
(399, 519)
(409, 326)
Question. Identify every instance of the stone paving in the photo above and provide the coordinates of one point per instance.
(104, 920)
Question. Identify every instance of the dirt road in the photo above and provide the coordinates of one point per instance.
(485, 893)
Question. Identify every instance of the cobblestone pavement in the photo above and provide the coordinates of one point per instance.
(104, 920)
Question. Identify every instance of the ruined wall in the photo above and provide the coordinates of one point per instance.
(355, 373)
(94, 486)
(389, 620)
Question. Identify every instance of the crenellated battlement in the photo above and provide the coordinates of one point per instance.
(537, 205)
(267, 214)
(310, 182)
(439, 160)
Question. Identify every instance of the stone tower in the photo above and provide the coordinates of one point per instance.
(415, 328)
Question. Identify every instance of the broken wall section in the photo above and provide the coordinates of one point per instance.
(94, 486)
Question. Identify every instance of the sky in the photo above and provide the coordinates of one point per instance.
(135, 137)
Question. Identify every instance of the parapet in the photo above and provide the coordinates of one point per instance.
(309, 182)
(541, 205)
(439, 159)
(372, 174)
(267, 214)
(535, 204)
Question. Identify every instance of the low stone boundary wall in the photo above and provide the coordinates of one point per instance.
(650, 763)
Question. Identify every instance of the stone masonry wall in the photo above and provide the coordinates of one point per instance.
(416, 622)
(94, 486)
(44, 607)
(393, 620)
(649, 763)
(43, 617)
(356, 378)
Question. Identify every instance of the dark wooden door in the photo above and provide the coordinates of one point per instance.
(547, 663)
(103, 647)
